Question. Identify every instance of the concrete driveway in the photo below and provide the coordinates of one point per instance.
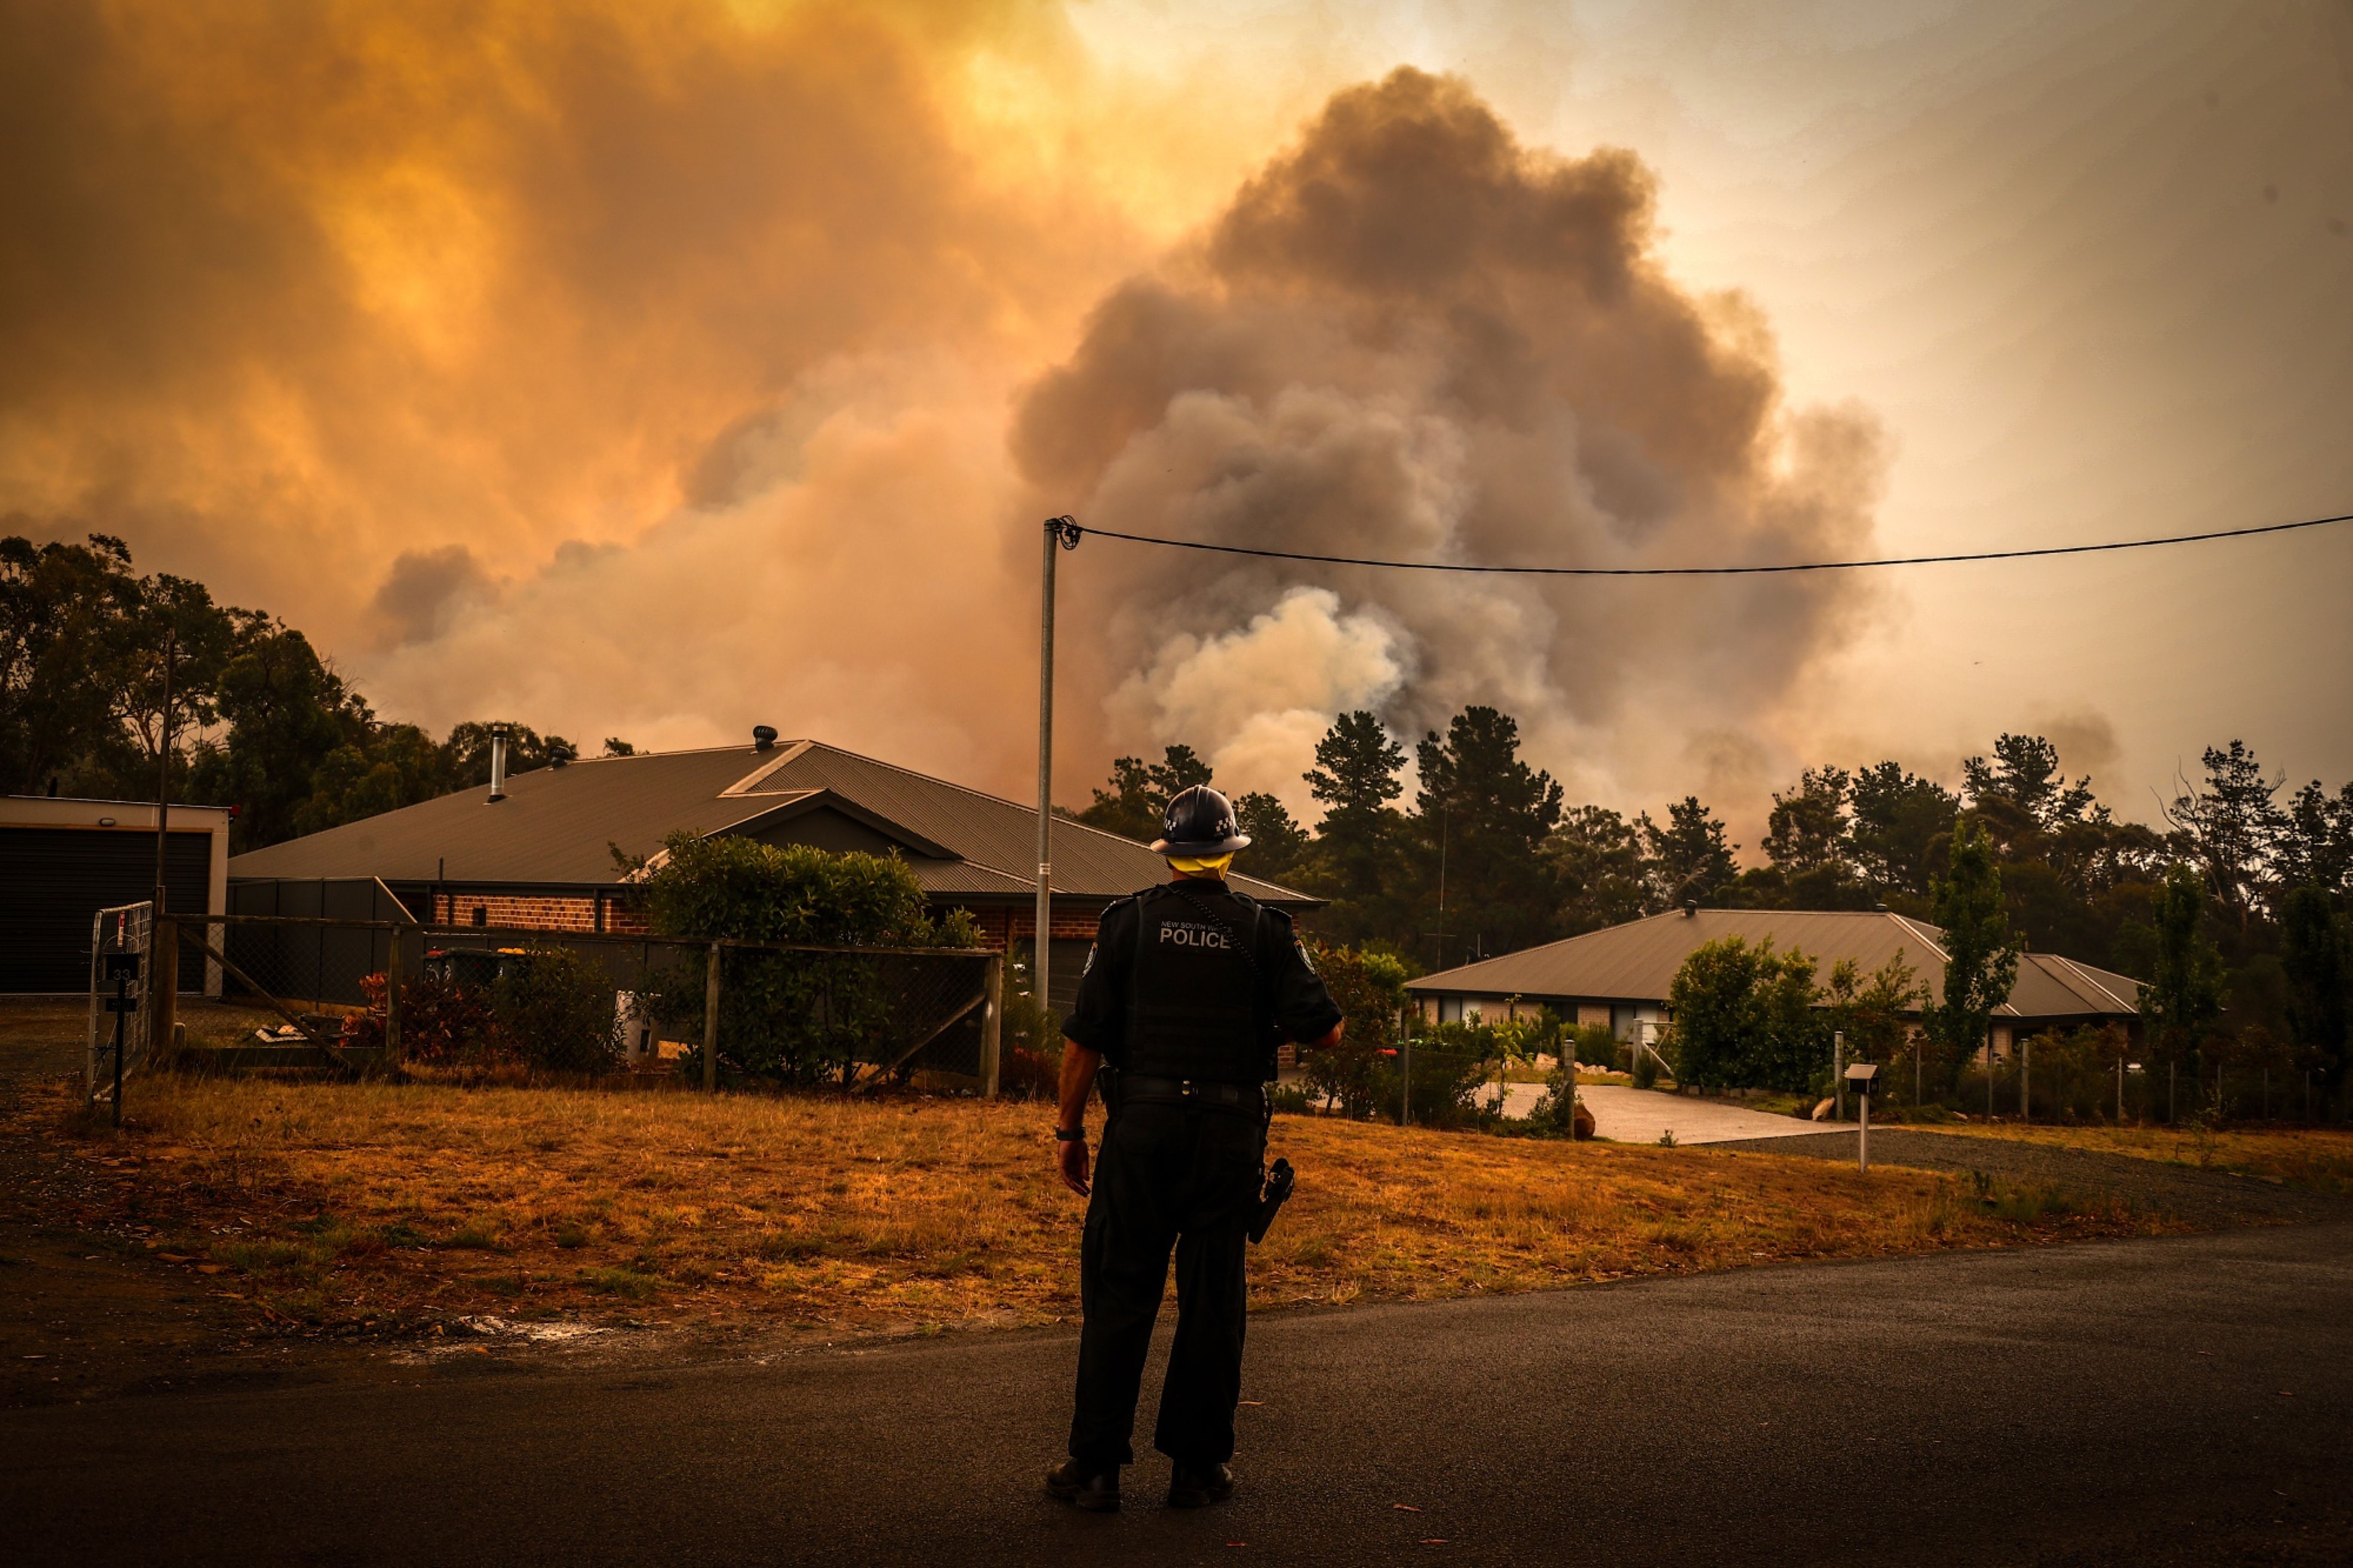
(1641, 1115)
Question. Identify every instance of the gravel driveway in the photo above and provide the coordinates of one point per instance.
(2214, 1198)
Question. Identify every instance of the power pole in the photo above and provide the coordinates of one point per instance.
(164, 770)
(1062, 533)
(163, 945)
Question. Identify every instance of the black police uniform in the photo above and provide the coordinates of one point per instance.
(1187, 1025)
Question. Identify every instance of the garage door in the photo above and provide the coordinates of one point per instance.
(54, 879)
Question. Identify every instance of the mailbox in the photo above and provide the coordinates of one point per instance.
(1860, 1078)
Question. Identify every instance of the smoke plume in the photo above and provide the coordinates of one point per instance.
(655, 370)
(1410, 337)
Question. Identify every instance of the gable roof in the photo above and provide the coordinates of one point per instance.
(554, 826)
(1637, 962)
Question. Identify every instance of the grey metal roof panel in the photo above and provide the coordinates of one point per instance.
(989, 830)
(1637, 962)
(555, 824)
(2051, 986)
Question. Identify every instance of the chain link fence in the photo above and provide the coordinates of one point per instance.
(351, 993)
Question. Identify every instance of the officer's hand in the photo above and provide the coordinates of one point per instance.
(1071, 1159)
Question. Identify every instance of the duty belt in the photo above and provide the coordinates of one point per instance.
(1136, 1089)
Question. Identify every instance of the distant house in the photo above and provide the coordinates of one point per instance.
(1620, 976)
(542, 857)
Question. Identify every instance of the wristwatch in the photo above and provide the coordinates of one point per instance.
(1070, 1134)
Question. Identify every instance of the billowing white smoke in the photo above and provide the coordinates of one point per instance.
(1411, 338)
(1256, 699)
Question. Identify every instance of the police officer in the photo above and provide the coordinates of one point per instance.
(1187, 990)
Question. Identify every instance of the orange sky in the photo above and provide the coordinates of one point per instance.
(657, 369)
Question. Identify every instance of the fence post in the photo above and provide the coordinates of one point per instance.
(1838, 1069)
(992, 1023)
(1569, 1076)
(2026, 1078)
(162, 986)
(1405, 1047)
(711, 1025)
(392, 999)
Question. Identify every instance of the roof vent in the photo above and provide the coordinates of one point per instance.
(558, 754)
(764, 737)
(1881, 908)
(498, 761)
(1691, 909)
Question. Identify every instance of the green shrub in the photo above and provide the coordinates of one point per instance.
(1596, 1047)
(1646, 1070)
(1369, 989)
(1744, 1017)
(555, 1011)
(1451, 1062)
(797, 1017)
(1030, 1065)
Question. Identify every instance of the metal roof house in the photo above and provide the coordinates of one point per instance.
(541, 855)
(1621, 976)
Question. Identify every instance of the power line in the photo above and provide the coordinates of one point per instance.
(1072, 531)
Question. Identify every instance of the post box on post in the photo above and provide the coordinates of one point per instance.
(1861, 1077)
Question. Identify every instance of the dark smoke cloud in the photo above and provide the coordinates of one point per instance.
(426, 591)
(1412, 337)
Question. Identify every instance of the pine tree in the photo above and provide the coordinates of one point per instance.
(1359, 854)
(1981, 964)
(2316, 952)
(1689, 857)
(1808, 828)
(1276, 840)
(1488, 812)
(1898, 817)
(2185, 990)
(2229, 826)
(1137, 802)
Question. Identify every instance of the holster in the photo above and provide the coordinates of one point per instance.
(1279, 1183)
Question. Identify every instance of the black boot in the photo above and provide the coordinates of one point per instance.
(1096, 1491)
(1197, 1486)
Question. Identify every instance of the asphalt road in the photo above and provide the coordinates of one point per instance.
(2182, 1400)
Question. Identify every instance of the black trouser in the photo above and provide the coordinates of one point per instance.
(1179, 1175)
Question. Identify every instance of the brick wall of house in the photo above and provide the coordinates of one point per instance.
(1001, 927)
(560, 911)
(537, 911)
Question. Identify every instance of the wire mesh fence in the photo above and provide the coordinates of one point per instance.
(361, 990)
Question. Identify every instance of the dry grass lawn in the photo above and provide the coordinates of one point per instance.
(329, 1203)
(2317, 1158)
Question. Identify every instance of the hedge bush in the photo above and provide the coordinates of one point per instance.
(791, 1017)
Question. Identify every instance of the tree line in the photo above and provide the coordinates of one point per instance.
(260, 721)
(2234, 910)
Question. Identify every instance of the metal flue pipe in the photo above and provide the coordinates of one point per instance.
(498, 761)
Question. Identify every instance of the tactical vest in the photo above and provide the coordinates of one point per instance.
(1198, 1006)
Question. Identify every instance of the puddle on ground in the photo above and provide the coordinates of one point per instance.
(548, 1333)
